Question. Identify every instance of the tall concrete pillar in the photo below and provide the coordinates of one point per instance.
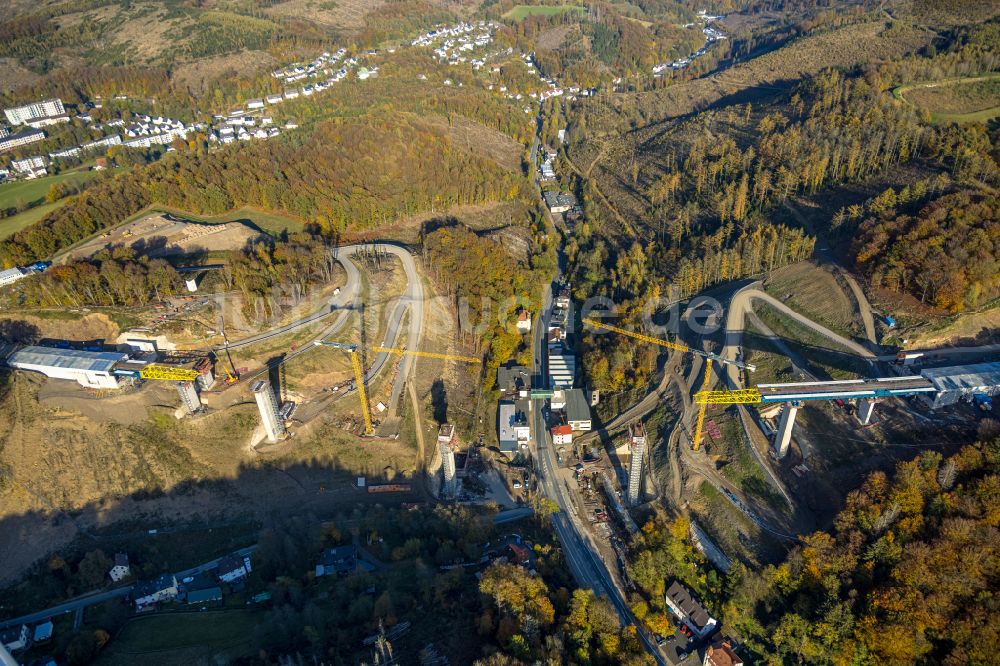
(446, 445)
(189, 396)
(637, 449)
(274, 426)
(866, 407)
(785, 426)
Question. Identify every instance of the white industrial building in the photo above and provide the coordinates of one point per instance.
(955, 382)
(562, 367)
(90, 369)
(514, 431)
(43, 109)
(11, 275)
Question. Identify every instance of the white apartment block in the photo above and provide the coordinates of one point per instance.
(21, 139)
(43, 109)
(30, 165)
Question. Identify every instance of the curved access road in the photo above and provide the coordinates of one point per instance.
(344, 303)
(349, 300)
(742, 304)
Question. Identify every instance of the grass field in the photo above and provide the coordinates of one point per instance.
(521, 12)
(32, 192)
(824, 355)
(11, 225)
(965, 100)
(815, 292)
(170, 638)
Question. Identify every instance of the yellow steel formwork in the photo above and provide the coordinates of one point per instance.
(168, 373)
(745, 396)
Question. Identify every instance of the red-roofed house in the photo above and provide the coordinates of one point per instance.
(562, 434)
(524, 321)
(721, 654)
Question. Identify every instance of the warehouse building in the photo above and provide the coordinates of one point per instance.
(89, 369)
(962, 381)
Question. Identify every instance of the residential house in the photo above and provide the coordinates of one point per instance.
(204, 595)
(121, 569)
(558, 202)
(514, 381)
(273, 99)
(149, 592)
(43, 632)
(72, 151)
(562, 298)
(15, 638)
(255, 104)
(234, 568)
(523, 321)
(518, 555)
(340, 560)
(689, 610)
(562, 435)
(43, 109)
(721, 653)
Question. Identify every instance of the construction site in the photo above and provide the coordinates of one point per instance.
(295, 413)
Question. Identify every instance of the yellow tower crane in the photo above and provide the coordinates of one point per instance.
(359, 376)
(709, 357)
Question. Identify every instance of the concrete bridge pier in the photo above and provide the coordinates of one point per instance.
(784, 435)
(866, 407)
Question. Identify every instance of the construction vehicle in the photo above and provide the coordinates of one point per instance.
(675, 346)
(359, 376)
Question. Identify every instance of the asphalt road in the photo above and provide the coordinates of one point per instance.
(585, 562)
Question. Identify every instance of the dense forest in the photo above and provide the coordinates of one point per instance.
(488, 286)
(946, 253)
(531, 623)
(387, 166)
(264, 273)
(907, 575)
